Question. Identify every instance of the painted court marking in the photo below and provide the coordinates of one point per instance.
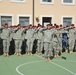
(59, 66)
(64, 61)
(17, 68)
(26, 64)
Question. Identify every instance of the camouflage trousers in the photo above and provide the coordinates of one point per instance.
(47, 49)
(6, 44)
(18, 44)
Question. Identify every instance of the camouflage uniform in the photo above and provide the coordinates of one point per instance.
(18, 38)
(48, 36)
(30, 39)
(71, 39)
(39, 40)
(56, 43)
(5, 35)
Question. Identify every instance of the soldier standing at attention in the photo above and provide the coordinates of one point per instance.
(71, 38)
(18, 38)
(47, 41)
(60, 38)
(6, 40)
(55, 42)
(39, 40)
(30, 39)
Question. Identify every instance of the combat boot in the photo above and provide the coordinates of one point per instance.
(7, 54)
(30, 53)
(71, 52)
(4, 54)
(19, 54)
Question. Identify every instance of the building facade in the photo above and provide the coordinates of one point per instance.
(21, 12)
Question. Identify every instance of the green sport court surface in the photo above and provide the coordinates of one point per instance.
(36, 65)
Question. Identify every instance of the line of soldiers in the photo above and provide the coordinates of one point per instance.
(47, 38)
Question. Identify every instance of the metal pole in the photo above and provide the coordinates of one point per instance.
(33, 12)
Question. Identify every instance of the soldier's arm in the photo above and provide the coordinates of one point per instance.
(42, 29)
(10, 37)
(25, 30)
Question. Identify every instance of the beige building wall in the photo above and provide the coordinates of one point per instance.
(7, 7)
(57, 10)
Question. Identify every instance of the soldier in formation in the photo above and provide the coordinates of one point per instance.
(48, 38)
(5, 35)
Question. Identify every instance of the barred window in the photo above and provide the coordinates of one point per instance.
(24, 20)
(67, 21)
(18, 0)
(68, 1)
(6, 19)
(46, 0)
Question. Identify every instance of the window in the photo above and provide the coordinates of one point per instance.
(47, 1)
(68, 2)
(67, 21)
(46, 20)
(6, 19)
(24, 21)
(18, 0)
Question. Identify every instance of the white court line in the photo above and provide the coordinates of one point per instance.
(59, 66)
(64, 60)
(25, 64)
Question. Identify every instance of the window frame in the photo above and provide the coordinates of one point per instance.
(67, 17)
(7, 15)
(41, 2)
(19, 1)
(21, 15)
(73, 3)
(52, 16)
